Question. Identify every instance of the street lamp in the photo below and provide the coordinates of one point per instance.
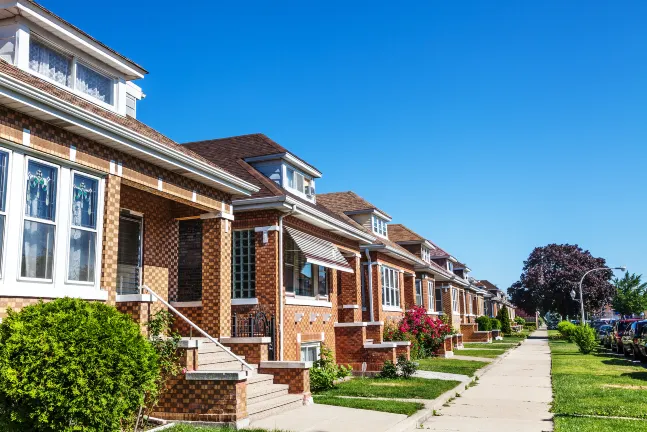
(623, 268)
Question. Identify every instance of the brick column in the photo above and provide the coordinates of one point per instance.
(110, 242)
(351, 294)
(377, 293)
(409, 288)
(425, 293)
(216, 277)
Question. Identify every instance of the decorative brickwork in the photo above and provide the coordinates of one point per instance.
(305, 330)
(194, 314)
(140, 312)
(203, 400)
(297, 379)
(16, 304)
(254, 353)
(216, 277)
(110, 241)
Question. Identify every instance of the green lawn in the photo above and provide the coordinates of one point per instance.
(503, 345)
(449, 365)
(391, 406)
(487, 353)
(596, 384)
(399, 388)
(587, 424)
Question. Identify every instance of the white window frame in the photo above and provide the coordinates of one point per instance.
(310, 345)
(430, 295)
(390, 293)
(450, 266)
(96, 231)
(307, 182)
(24, 217)
(439, 296)
(426, 254)
(379, 225)
(233, 273)
(5, 213)
(419, 299)
(455, 304)
(75, 59)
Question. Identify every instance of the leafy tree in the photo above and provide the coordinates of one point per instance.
(551, 272)
(504, 317)
(631, 295)
(72, 365)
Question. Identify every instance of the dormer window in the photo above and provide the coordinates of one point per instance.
(450, 266)
(299, 182)
(68, 71)
(426, 254)
(379, 225)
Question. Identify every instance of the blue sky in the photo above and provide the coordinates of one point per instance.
(489, 127)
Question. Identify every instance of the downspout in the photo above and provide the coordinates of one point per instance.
(281, 287)
(370, 285)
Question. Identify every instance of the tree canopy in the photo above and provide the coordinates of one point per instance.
(551, 272)
(631, 295)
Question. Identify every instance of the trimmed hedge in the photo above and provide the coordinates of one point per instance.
(72, 365)
(485, 323)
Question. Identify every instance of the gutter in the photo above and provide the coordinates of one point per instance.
(29, 95)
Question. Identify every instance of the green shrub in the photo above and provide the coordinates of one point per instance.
(407, 367)
(566, 329)
(585, 338)
(389, 370)
(531, 326)
(325, 371)
(504, 317)
(495, 323)
(72, 365)
(519, 320)
(485, 324)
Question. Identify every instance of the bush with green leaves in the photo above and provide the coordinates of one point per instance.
(325, 371)
(72, 365)
(406, 367)
(495, 324)
(485, 324)
(389, 370)
(566, 329)
(519, 320)
(504, 317)
(585, 338)
(531, 326)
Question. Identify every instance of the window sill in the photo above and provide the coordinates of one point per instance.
(391, 308)
(307, 302)
(39, 290)
(185, 304)
(244, 301)
(141, 298)
(430, 312)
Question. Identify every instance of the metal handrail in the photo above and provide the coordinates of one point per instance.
(192, 324)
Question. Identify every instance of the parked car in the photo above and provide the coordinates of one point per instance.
(603, 332)
(630, 339)
(618, 331)
(640, 343)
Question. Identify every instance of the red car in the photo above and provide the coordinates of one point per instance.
(619, 329)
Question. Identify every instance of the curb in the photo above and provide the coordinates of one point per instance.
(425, 414)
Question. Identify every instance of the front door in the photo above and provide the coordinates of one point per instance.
(129, 257)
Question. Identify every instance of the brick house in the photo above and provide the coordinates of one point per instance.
(96, 205)
(301, 261)
(496, 299)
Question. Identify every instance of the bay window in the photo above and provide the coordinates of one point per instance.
(83, 228)
(66, 70)
(39, 229)
(390, 287)
(4, 176)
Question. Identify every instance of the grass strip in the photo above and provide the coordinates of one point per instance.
(390, 406)
(596, 384)
(190, 428)
(449, 365)
(486, 353)
(398, 388)
(501, 346)
(587, 424)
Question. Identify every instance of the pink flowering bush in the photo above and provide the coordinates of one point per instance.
(425, 333)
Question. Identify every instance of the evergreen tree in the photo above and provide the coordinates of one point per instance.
(504, 317)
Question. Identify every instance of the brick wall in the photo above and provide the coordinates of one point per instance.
(216, 277)
(297, 379)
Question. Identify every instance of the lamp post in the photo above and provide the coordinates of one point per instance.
(623, 268)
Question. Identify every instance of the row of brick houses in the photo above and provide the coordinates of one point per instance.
(229, 234)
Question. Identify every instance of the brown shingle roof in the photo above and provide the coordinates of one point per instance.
(125, 121)
(400, 233)
(230, 153)
(489, 285)
(349, 201)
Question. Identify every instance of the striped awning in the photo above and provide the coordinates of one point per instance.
(319, 251)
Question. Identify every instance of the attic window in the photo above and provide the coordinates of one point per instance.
(66, 70)
(379, 225)
(299, 182)
(450, 265)
(426, 254)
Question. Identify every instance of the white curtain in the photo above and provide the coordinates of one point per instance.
(50, 63)
(93, 83)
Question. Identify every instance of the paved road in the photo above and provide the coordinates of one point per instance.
(514, 395)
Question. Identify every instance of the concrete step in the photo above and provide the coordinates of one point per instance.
(259, 379)
(266, 408)
(266, 392)
(220, 365)
(210, 347)
(216, 357)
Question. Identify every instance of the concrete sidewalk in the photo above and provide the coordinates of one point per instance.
(513, 395)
